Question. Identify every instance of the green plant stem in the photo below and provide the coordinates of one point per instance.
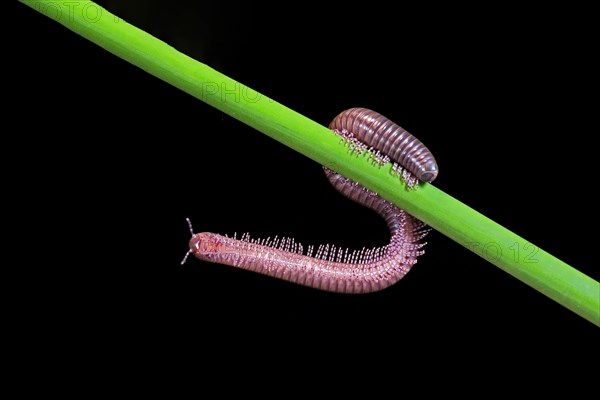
(496, 244)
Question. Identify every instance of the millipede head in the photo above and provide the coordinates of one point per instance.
(203, 244)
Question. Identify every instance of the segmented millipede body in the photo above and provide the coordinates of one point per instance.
(327, 267)
(375, 130)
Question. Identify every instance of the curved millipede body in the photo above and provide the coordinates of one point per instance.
(329, 268)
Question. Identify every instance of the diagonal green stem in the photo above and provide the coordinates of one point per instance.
(501, 247)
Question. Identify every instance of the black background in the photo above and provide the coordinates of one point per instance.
(120, 159)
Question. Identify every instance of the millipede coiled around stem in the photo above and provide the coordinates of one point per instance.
(375, 130)
(328, 267)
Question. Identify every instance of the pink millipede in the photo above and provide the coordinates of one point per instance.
(327, 267)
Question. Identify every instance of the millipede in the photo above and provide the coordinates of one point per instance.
(331, 268)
